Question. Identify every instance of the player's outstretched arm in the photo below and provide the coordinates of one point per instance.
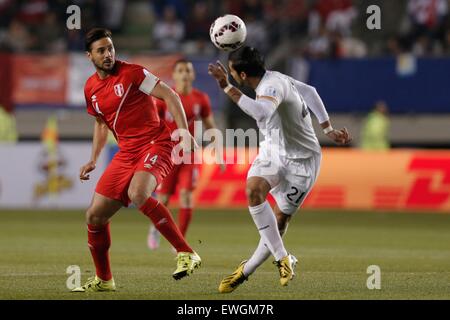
(174, 106)
(315, 104)
(313, 100)
(257, 109)
(98, 143)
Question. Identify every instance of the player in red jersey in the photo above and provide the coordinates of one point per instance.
(197, 108)
(119, 96)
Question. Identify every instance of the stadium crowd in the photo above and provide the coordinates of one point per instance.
(312, 28)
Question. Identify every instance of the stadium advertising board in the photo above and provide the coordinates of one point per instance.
(36, 178)
(402, 180)
(350, 179)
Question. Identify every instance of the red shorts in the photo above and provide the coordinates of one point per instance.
(114, 182)
(183, 175)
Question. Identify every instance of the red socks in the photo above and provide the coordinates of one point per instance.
(184, 219)
(99, 241)
(163, 221)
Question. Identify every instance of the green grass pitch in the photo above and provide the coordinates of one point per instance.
(334, 248)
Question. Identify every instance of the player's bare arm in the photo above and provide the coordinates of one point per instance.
(98, 142)
(209, 123)
(174, 106)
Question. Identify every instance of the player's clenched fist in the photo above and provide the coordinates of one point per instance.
(84, 170)
(340, 136)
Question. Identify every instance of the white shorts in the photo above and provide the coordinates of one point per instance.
(290, 179)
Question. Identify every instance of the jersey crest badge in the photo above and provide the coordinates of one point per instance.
(118, 90)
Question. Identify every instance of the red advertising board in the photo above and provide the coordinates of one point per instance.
(401, 180)
(39, 79)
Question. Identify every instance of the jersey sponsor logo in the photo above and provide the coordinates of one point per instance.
(118, 90)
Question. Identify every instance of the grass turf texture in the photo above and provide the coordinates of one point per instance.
(334, 249)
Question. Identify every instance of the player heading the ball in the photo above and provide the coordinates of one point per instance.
(289, 157)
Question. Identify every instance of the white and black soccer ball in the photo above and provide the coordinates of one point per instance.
(228, 32)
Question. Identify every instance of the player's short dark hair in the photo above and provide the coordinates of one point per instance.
(94, 35)
(182, 60)
(249, 60)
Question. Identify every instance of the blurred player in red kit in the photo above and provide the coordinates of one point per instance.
(119, 96)
(197, 108)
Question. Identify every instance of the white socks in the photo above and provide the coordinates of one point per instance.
(261, 254)
(266, 223)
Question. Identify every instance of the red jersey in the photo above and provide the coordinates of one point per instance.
(196, 106)
(124, 103)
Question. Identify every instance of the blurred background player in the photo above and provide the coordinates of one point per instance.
(288, 162)
(197, 107)
(118, 95)
(375, 130)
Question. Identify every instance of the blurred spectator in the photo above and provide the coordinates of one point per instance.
(8, 131)
(197, 30)
(33, 12)
(256, 33)
(447, 42)
(375, 131)
(75, 40)
(18, 38)
(347, 47)
(253, 7)
(6, 12)
(112, 14)
(320, 46)
(336, 15)
(428, 30)
(296, 14)
(50, 35)
(168, 32)
(180, 7)
(199, 22)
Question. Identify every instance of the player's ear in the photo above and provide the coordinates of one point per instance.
(88, 54)
(243, 75)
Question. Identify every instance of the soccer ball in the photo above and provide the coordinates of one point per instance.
(228, 32)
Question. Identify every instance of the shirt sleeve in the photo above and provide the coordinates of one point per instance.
(313, 100)
(144, 80)
(273, 89)
(206, 107)
(89, 107)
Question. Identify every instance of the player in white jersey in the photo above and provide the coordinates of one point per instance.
(289, 158)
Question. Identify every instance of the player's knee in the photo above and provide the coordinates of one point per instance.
(255, 195)
(94, 216)
(138, 196)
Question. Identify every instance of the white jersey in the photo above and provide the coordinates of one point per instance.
(289, 128)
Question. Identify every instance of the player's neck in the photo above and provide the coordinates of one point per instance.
(184, 90)
(253, 82)
(102, 74)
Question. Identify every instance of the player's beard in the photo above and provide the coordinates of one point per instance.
(106, 67)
